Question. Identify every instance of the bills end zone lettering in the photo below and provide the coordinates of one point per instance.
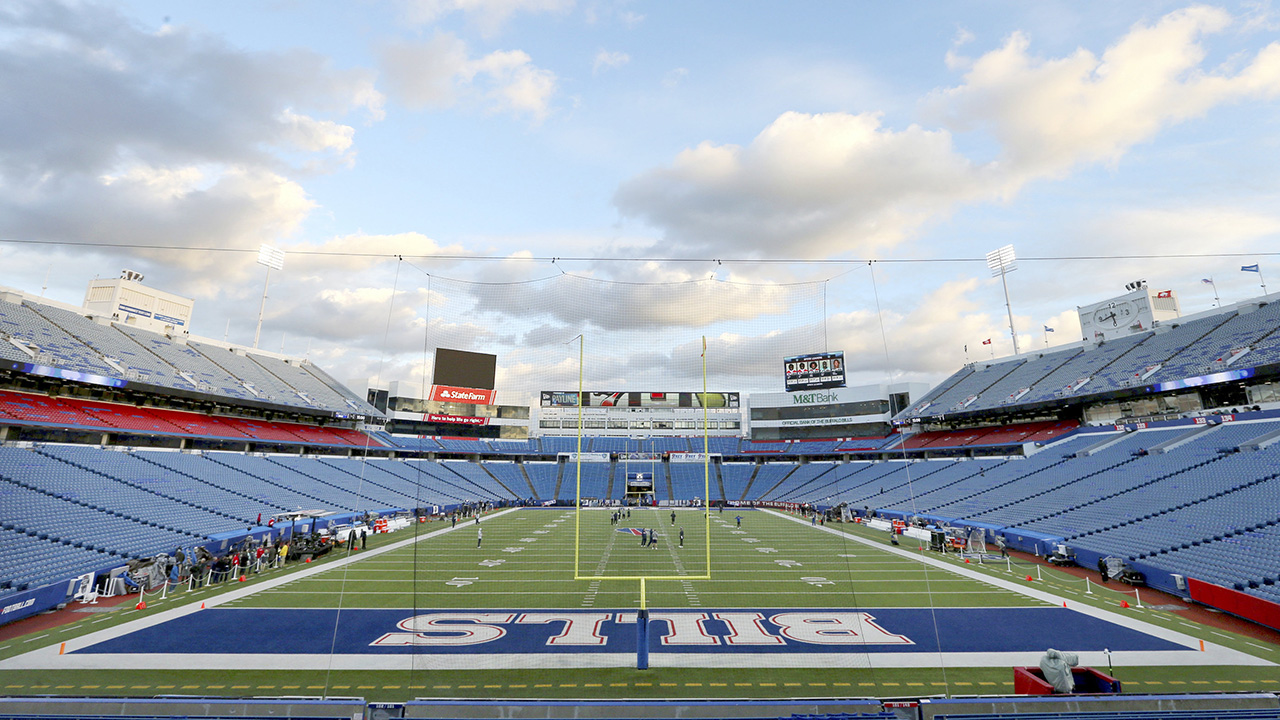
(683, 629)
(369, 631)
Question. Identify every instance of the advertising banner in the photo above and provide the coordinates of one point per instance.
(473, 396)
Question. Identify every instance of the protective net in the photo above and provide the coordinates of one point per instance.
(638, 336)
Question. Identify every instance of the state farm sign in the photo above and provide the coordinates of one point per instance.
(473, 396)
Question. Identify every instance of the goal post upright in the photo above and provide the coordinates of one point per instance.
(706, 459)
(577, 501)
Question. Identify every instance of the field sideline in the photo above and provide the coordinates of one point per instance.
(791, 609)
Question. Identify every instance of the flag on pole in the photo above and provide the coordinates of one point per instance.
(1207, 281)
(704, 346)
(1250, 268)
(1048, 329)
(987, 341)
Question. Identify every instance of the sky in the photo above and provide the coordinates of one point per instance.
(540, 178)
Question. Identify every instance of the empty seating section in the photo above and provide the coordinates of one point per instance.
(463, 445)
(1244, 329)
(511, 476)
(930, 398)
(762, 447)
(1226, 511)
(266, 387)
(862, 481)
(767, 477)
(515, 447)
(983, 377)
(39, 409)
(29, 561)
(736, 477)
(610, 444)
(475, 475)
(814, 447)
(377, 495)
(554, 445)
(1008, 389)
(410, 480)
(52, 346)
(443, 480)
(1156, 348)
(299, 379)
(675, 444)
(619, 488)
(1183, 474)
(27, 408)
(71, 340)
(1229, 559)
(595, 480)
(543, 476)
(176, 480)
(723, 445)
(690, 480)
(910, 487)
(63, 479)
(81, 525)
(188, 361)
(108, 342)
(1082, 366)
(349, 398)
(406, 442)
(868, 443)
(803, 477)
(1017, 480)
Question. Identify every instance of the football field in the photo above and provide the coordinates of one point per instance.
(543, 602)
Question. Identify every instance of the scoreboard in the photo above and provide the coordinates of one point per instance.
(816, 371)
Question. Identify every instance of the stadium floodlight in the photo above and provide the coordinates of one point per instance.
(1002, 262)
(273, 259)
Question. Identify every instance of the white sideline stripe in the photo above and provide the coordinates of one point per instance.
(846, 658)
(1214, 654)
(25, 660)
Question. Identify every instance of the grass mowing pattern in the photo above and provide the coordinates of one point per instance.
(810, 568)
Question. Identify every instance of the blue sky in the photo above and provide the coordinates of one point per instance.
(746, 132)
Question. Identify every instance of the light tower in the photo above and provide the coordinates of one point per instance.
(1002, 262)
(271, 257)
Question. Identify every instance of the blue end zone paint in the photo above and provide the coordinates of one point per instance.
(898, 630)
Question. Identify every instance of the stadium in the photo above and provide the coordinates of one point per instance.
(611, 359)
(197, 528)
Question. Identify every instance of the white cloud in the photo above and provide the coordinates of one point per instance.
(440, 73)
(807, 186)
(115, 135)
(606, 60)
(1050, 115)
(489, 15)
(838, 184)
(675, 77)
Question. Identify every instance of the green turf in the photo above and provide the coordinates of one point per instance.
(817, 569)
